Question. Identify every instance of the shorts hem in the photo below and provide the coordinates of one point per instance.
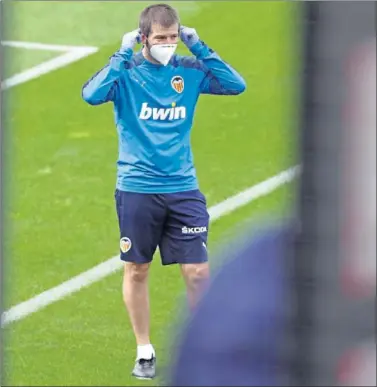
(185, 262)
(135, 260)
(169, 263)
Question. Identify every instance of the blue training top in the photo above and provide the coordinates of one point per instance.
(154, 108)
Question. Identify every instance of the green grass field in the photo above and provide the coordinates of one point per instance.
(60, 172)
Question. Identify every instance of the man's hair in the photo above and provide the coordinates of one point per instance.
(162, 14)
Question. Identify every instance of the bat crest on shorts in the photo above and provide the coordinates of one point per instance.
(125, 244)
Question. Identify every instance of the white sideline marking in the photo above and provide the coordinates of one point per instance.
(41, 46)
(72, 54)
(113, 264)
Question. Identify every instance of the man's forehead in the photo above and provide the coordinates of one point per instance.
(157, 29)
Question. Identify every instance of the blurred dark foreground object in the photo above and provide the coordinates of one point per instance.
(238, 333)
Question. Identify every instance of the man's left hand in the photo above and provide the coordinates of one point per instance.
(189, 36)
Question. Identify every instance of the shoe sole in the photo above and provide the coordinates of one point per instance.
(142, 377)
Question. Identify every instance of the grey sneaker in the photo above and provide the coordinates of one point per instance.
(145, 368)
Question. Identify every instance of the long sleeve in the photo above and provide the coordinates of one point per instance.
(221, 78)
(102, 86)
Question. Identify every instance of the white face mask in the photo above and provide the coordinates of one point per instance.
(163, 52)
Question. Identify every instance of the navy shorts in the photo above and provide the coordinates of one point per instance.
(175, 222)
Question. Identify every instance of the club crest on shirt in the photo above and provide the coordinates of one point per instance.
(178, 84)
(125, 244)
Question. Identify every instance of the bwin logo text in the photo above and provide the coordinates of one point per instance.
(173, 113)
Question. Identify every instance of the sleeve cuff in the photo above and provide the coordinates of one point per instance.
(200, 50)
(126, 53)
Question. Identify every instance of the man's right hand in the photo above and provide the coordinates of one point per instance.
(130, 39)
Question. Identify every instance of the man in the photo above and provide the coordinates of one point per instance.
(158, 200)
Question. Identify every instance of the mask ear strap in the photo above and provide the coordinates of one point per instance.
(140, 33)
(146, 41)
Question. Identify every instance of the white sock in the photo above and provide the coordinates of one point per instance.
(145, 351)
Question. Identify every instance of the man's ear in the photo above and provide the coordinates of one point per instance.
(143, 39)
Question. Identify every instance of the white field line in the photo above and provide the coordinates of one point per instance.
(41, 46)
(71, 54)
(113, 264)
